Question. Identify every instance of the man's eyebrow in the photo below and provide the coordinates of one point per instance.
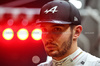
(41, 26)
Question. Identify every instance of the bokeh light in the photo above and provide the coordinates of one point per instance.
(22, 34)
(36, 34)
(8, 34)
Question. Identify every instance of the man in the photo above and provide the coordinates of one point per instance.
(61, 25)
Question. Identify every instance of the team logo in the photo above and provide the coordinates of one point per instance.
(52, 10)
(75, 19)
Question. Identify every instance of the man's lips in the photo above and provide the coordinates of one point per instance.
(51, 46)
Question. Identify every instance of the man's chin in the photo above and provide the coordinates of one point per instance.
(53, 53)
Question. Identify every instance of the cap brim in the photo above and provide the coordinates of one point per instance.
(53, 21)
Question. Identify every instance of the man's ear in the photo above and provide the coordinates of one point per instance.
(77, 31)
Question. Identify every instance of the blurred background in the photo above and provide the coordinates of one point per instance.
(18, 47)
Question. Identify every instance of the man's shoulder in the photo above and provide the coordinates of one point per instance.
(92, 57)
(92, 60)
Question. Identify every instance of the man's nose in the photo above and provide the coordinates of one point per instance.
(49, 36)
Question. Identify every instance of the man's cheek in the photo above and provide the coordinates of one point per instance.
(43, 38)
(60, 37)
(43, 41)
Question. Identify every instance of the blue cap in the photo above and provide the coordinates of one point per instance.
(59, 12)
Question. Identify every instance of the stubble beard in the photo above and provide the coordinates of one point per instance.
(66, 45)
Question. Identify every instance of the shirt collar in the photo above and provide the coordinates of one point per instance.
(68, 59)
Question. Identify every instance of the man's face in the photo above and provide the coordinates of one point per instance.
(57, 39)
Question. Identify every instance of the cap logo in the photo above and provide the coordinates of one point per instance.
(75, 19)
(52, 10)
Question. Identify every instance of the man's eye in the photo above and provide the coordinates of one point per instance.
(57, 29)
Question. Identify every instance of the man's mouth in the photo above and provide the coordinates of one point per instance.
(49, 46)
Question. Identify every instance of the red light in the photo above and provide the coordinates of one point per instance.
(22, 34)
(36, 34)
(8, 34)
